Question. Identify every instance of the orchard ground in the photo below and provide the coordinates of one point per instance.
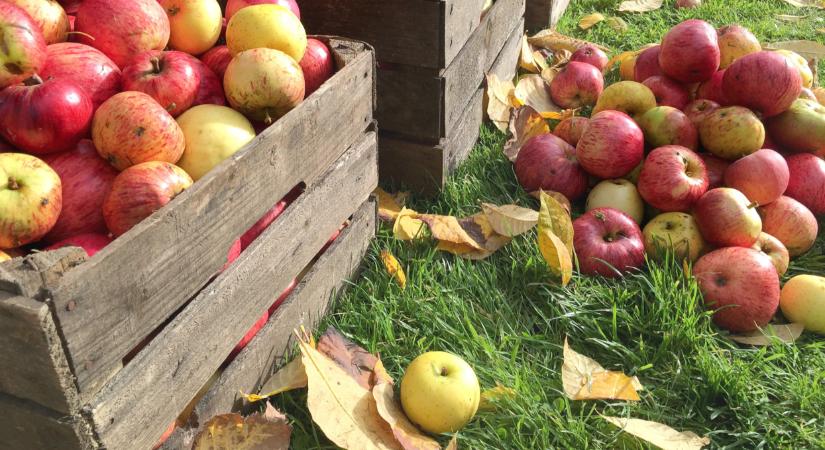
(508, 320)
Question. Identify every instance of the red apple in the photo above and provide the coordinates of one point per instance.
(210, 91)
(647, 64)
(49, 16)
(266, 220)
(791, 222)
(673, 178)
(807, 181)
(762, 176)
(763, 81)
(317, 64)
(250, 334)
(23, 52)
(122, 29)
(698, 110)
(284, 295)
(688, 4)
(590, 54)
(690, 52)
(93, 71)
(45, 117)
(232, 6)
(608, 242)
(716, 168)
(741, 284)
(547, 162)
(86, 178)
(712, 89)
(571, 129)
(665, 125)
(801, 128)
(91, 243)
(576, 85)
(30, 199)
(169, 77)
(668, 92)
(727, 218)
(774, 249)
(217, 58)
(139, 191)
(735, 42)
(611, 146)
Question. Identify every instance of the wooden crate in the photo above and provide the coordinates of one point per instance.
(68, 323)
(541, 14)
(426, 90)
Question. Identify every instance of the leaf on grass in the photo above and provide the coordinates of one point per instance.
(389, 205)
(499, 102)
(617, 24)
(491, 397)
(790, 18)
(554, 41)
(807, 3)
(556, 255)
(471, 238)
(585, 379)
(640, 5)
(532, 91)
(448, 229)
(407, 225)
(590, 20)
(553, 215)
(808, 49)
(351, 357)
(510, 220)
(267, 431)
(407, 434)
(659, 434)
(525, 124)
(394, 268)
(453, 444)
(342, 408)
(786, 333)
(531, 60)
(565, 203)
(291, 376)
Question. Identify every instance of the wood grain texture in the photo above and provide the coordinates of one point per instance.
(109, 304)
(29, 426)
(304, 307)
(135, 407)
(506, 64)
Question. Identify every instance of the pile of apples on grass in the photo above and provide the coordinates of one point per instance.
(719, 143)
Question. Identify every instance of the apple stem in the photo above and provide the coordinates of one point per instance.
(86, 35)
(268, 119)
(155, 65)
(34, 80)
(443, 371)
(753, 205)
(13, 185)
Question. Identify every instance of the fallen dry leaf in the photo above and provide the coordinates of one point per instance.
(510, 220)
(556, 255)
(267, 431)
(548, 74)
(491, 397)
(407, 434)
(555, 41)
(531, 60)
(394, 268)
(453, 444)
(659, 434)
(481, 233)
(555, 216)
(342, 408)
(291, 376)
(808, 49)
(499, 102)
(449, 229)
(807, 3)
(790, 18)
(351, 357)
(640, 5)
(407, 225)
(585, 379)
(525, 124)
(389, 205)
(561, 57)
(590, 20)
(556, 195)
(532, 91)
(786, 333)
(617, 24)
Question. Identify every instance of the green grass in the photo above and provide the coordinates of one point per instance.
(508, 320)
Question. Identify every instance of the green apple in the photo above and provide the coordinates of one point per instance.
(620, 194)
(628, 97)
(732, 132)
(212, 133)
(803, 301)
(676, 231)
(440, 392)
(801, 128)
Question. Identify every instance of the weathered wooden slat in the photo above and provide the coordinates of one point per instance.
(506, 64)
(109, 304)
(557, 9)
(461, 20)
(28, 426)
(304, 307)
(134, 409)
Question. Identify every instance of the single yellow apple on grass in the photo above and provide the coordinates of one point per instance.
(195, 25)
(440, 392)
(266, 26)
(212, 133)
(803, 301)
(674, 231)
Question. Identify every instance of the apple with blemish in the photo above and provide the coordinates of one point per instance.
(735, 42)
(732, 132)
(571, 129)
(576, 85)
(676, 232)
(49, 16)
(727, 218)
(31, 198)
(629, 97)
(169, 77)
(791, 222)
(264, 84)
(665, 125)
(24, 48)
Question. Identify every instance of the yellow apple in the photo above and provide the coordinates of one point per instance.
(802, 64)
(266, 26)
(212, 133)
(620, 194)
(675, 231)
(440, 392)
(195, 25)
(803, 301)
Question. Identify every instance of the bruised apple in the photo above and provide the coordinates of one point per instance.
(676, 232)
(23, 52)
(31, 198)
(264, 84)
(571, 129)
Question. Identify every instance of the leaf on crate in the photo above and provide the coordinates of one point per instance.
(555, 41)
(490, 398)
(407, 434)
(350, 357)
(525, 124)
(555, 216)
(590, 20)
(585, 379)
(659, 434)
(640, 5)
(499, 102)
(790, 18)
(617, 24)
(407, 225)
(259, 431)
(291, 376)
(341, 407)
(532, 91)
(807, 3)
(453, 444)
(389, 205)
(510, 220)
(786, 333)
(394, 268)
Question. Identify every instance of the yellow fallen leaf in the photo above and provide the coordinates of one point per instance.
(407, 225)
(556, 255)
(532, 91)
(453, 444)
(659, 434)
(269, 430)
(351, 357)
(548, 74)
(448, 228)
(394, 268)
(471, 238)
(525, 124)
(510, 220)
(554, 216)
(555, 41)
(565, 203)
(389, 205)
(640, 5)
(531, 60)
(617, 24)
(807, 3)
(291, 376)
(491, 397)
(786, 333)
(590, 20)
(499, 102)
(343, 409)
(407, 434)
(820, 30)
(790, 18)
(585, 379)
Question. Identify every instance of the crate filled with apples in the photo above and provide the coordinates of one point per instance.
(710, 149)
(166, 170)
